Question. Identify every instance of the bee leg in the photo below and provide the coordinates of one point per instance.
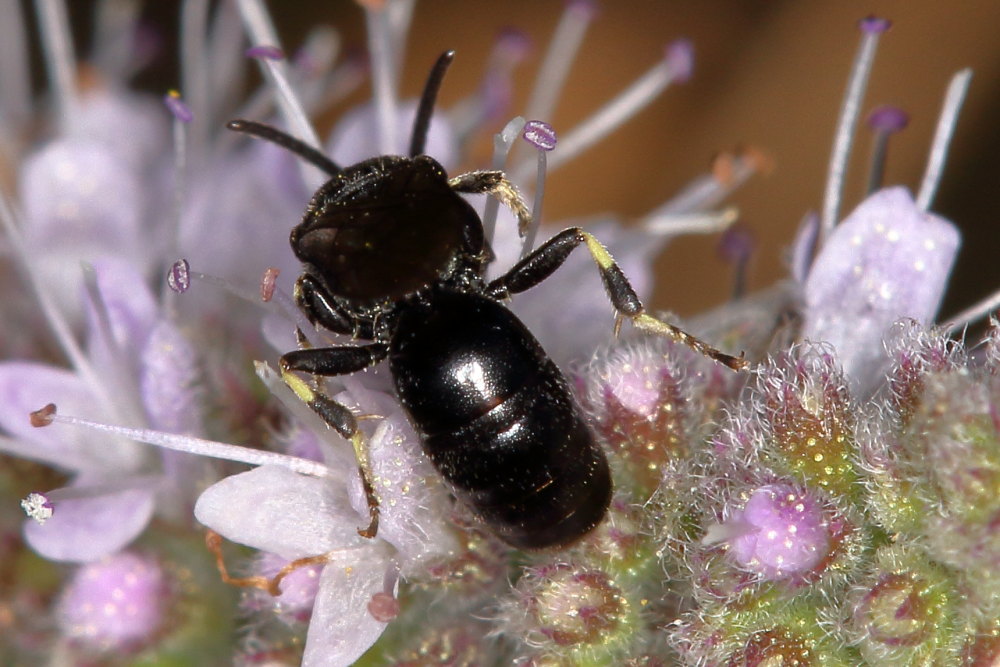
(541, 263)
(330, 361)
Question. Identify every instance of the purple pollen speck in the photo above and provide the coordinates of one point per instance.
(680, 57)
(265, 52)
(874, 25)
(179, 276)
(888, 118)
(514, 43)
(736, 244)
(177, 107)
(539, 134)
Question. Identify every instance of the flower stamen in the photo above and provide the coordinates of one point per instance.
(871, 29)
(502, 142)
(383, 61)
(728, 172)
(675, 66)
(953, 100)
(565, 43)
(57, 47)
(542, 136)
(260, 30)
(884, 121)
(185, 443)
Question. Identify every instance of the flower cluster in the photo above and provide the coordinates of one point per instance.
(838, 503)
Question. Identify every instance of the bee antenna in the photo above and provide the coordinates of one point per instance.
(286, 141)
(422, 121)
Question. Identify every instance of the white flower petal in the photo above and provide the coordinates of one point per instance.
(274, 509)
(887, 261)
(27, 386)
(81, 202)
(85, 529)
(413, 507)
(342, 629)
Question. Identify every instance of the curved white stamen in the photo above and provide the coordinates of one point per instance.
(61, 329)
(383, 78)
(608, 118)
(707, 190)
(15, 75)
(953, 99)
(675, 224)
(977, 311)
(57, 45)
(282, 303)
(399, 15)
(202, 447)
(114, 371)
(261, 31)
(843, 138)
(561, 53)
(536, 205)
(180, 143)
(342, 80)
(502, 142)
(226, 61)
(114, 38)
(313, 65)
(195, 73)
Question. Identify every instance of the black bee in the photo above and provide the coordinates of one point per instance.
(393, 255)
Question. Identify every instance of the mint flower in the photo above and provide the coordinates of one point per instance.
(834, 505)
(886, 261)
(148, 376)
(782, 530)
(115, 604)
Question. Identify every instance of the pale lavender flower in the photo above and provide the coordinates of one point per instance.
(138, 370)
(769, 503)
(780, 531)
(294, 516)
(118, 603)
(887, 261)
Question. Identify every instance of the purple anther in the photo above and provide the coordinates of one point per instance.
(539, 134)
(179, 276)
(265, 52)
(587, 8)
(736, 244)
(874, 25)
(680, 58)
(888, 119)
(513, 45)
(177, 107)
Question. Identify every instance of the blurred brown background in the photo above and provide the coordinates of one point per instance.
(767, 74)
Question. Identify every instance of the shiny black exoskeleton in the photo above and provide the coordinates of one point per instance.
(498, 419)
(392, 254)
